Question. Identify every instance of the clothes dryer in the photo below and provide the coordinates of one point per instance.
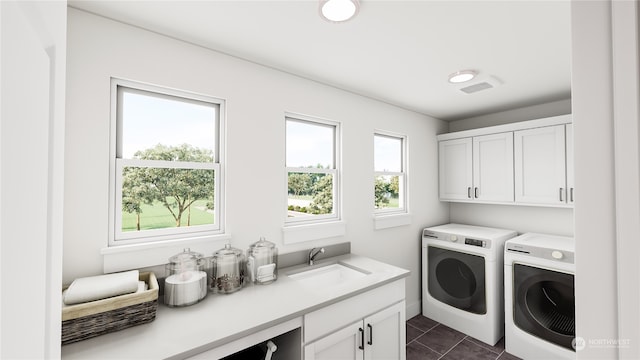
(539, 297)
(462, 278)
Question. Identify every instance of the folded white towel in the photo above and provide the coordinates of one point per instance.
(142, 286)
(102, 286)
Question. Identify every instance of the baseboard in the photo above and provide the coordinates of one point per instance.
(414, 309)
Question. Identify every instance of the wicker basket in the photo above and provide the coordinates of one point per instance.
(84, 321)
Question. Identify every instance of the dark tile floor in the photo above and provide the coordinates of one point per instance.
(430, 340)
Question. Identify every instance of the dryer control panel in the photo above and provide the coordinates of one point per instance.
(541, 252)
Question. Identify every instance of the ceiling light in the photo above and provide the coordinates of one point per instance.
(339, 10)
(461, 76)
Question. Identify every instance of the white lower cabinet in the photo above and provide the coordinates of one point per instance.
(343, 344)
(365, 327)
(385, 334)
(380, 336)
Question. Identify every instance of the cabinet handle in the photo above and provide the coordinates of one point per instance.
(561, 198)
(571, 194)
(469, 192)
(475, 192)
(370, 342)
(361, 347)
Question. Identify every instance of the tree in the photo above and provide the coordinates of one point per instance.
(175, 189)
(394, 186)
(380, 191)
(323, 199)
(299, 183)
(135, 192)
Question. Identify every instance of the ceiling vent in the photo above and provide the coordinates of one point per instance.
(488, 82)
(476, 87)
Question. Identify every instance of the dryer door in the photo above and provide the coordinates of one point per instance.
(457, 279)
(544, 304)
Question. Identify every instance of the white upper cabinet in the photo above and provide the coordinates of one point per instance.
(525, 163)
(493, 167)
(477, 169)
(540, 165)
(456, 174)
(570, 177)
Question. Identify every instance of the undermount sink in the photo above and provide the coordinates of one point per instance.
(328, 275)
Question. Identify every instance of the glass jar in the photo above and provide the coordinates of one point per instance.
(186, 280)
(262, 262)
(228, 265)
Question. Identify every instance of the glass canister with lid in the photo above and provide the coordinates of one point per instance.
(186, 281)
(228, 266)
(262, 262)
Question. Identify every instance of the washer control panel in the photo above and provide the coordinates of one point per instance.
(455, 238)
(475, 242)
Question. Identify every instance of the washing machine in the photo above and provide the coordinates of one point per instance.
(462, 271)
(539, 296)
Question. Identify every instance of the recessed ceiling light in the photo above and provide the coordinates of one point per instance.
(338, 10)
(461, 76)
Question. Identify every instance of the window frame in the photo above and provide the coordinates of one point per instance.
(403, 184)
(118, 238)
(335, 173)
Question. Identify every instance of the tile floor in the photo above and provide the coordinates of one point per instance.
(430, 340)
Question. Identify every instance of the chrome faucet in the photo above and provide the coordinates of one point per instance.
(313, 253)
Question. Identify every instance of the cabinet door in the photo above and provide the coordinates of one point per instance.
(493, 167)
(540, 171)
(345, 344)
(385, 334)
(570, 177)
(455, 169)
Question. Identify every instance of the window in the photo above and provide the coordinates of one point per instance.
(390, 177)
(311, 170)
(166, 170)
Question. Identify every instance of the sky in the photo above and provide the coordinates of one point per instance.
(309, 144)
(388, 153)
(150, 120)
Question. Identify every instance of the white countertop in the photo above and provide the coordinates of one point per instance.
(222, 318)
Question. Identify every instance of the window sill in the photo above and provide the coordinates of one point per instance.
(128, 257)
(390, 220)
(300, 233)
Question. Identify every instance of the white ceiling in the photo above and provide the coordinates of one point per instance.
(400, 52)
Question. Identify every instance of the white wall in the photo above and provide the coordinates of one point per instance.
(555, 108)
(558, 221)
(257, 98)
(605, 99)
(33, 51)
(626, 80)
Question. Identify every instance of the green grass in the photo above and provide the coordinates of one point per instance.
(156, 216)
(300, 197)
(393, 203)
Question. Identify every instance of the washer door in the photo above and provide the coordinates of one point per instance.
(544, 304)
(457, 279)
